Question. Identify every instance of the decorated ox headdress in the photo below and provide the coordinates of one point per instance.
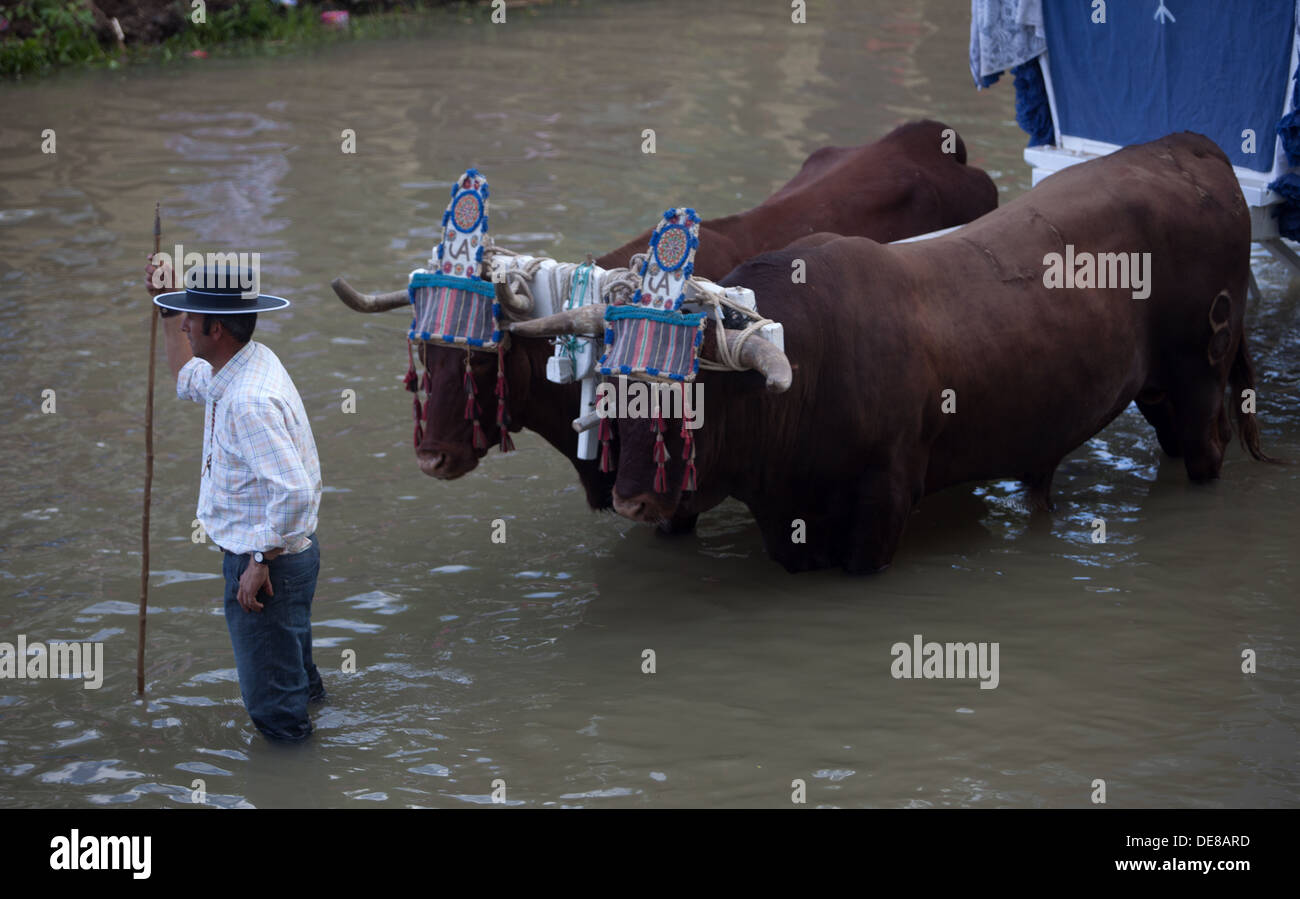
(454, 306)
(652, 339)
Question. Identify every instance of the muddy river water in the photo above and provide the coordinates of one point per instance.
(522, 662)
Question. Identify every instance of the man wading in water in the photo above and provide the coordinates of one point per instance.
(259, 490)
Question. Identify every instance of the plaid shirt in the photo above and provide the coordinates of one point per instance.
(260, 485)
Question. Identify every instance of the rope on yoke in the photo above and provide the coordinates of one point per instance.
(727, 359)
(616, 284)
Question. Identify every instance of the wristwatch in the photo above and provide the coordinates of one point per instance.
(259, 558)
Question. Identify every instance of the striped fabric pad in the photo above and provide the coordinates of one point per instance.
(455, 311)
(652, 344)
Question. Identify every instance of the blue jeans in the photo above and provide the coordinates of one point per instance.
(273, 647)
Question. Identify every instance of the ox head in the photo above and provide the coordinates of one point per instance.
(655, 455)
(445, 447)
(458, 329)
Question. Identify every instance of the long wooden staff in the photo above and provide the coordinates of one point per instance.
(148, 463)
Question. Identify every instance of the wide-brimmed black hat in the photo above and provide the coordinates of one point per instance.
(219, 291)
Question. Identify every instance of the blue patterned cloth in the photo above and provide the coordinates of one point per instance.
(1004, 34)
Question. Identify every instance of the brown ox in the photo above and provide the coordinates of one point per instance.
(902, 185)
(878, 334)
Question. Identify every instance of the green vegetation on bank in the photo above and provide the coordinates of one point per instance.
(58, 32)
(39, 35)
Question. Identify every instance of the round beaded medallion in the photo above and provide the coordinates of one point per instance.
(670, 251)
(467, 212)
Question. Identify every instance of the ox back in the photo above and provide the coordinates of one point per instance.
(879, 334)
(902, 185)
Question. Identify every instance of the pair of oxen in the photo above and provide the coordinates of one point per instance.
(910, 367)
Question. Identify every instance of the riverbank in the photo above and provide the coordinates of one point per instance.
(40, 36)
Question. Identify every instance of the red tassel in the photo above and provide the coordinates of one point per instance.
(688, 453)
(426, 383)
(410, 380)
(419, 435)
(503, 391)
(606, 464)
(660, 456)
(690, 475)
(480, 439)
(471, 394)
(502, 387)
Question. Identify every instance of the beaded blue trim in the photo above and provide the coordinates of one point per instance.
(614, 313)
(458, 341)
(438, 279)
(627, 370)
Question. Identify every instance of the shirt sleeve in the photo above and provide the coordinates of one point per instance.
(193, 380)
(263, 437)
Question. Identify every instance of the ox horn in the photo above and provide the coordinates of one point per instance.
(369, 302)
(586, 321)
(763, 357)
(511, 301)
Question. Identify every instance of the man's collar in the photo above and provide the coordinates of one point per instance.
(221, 380)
